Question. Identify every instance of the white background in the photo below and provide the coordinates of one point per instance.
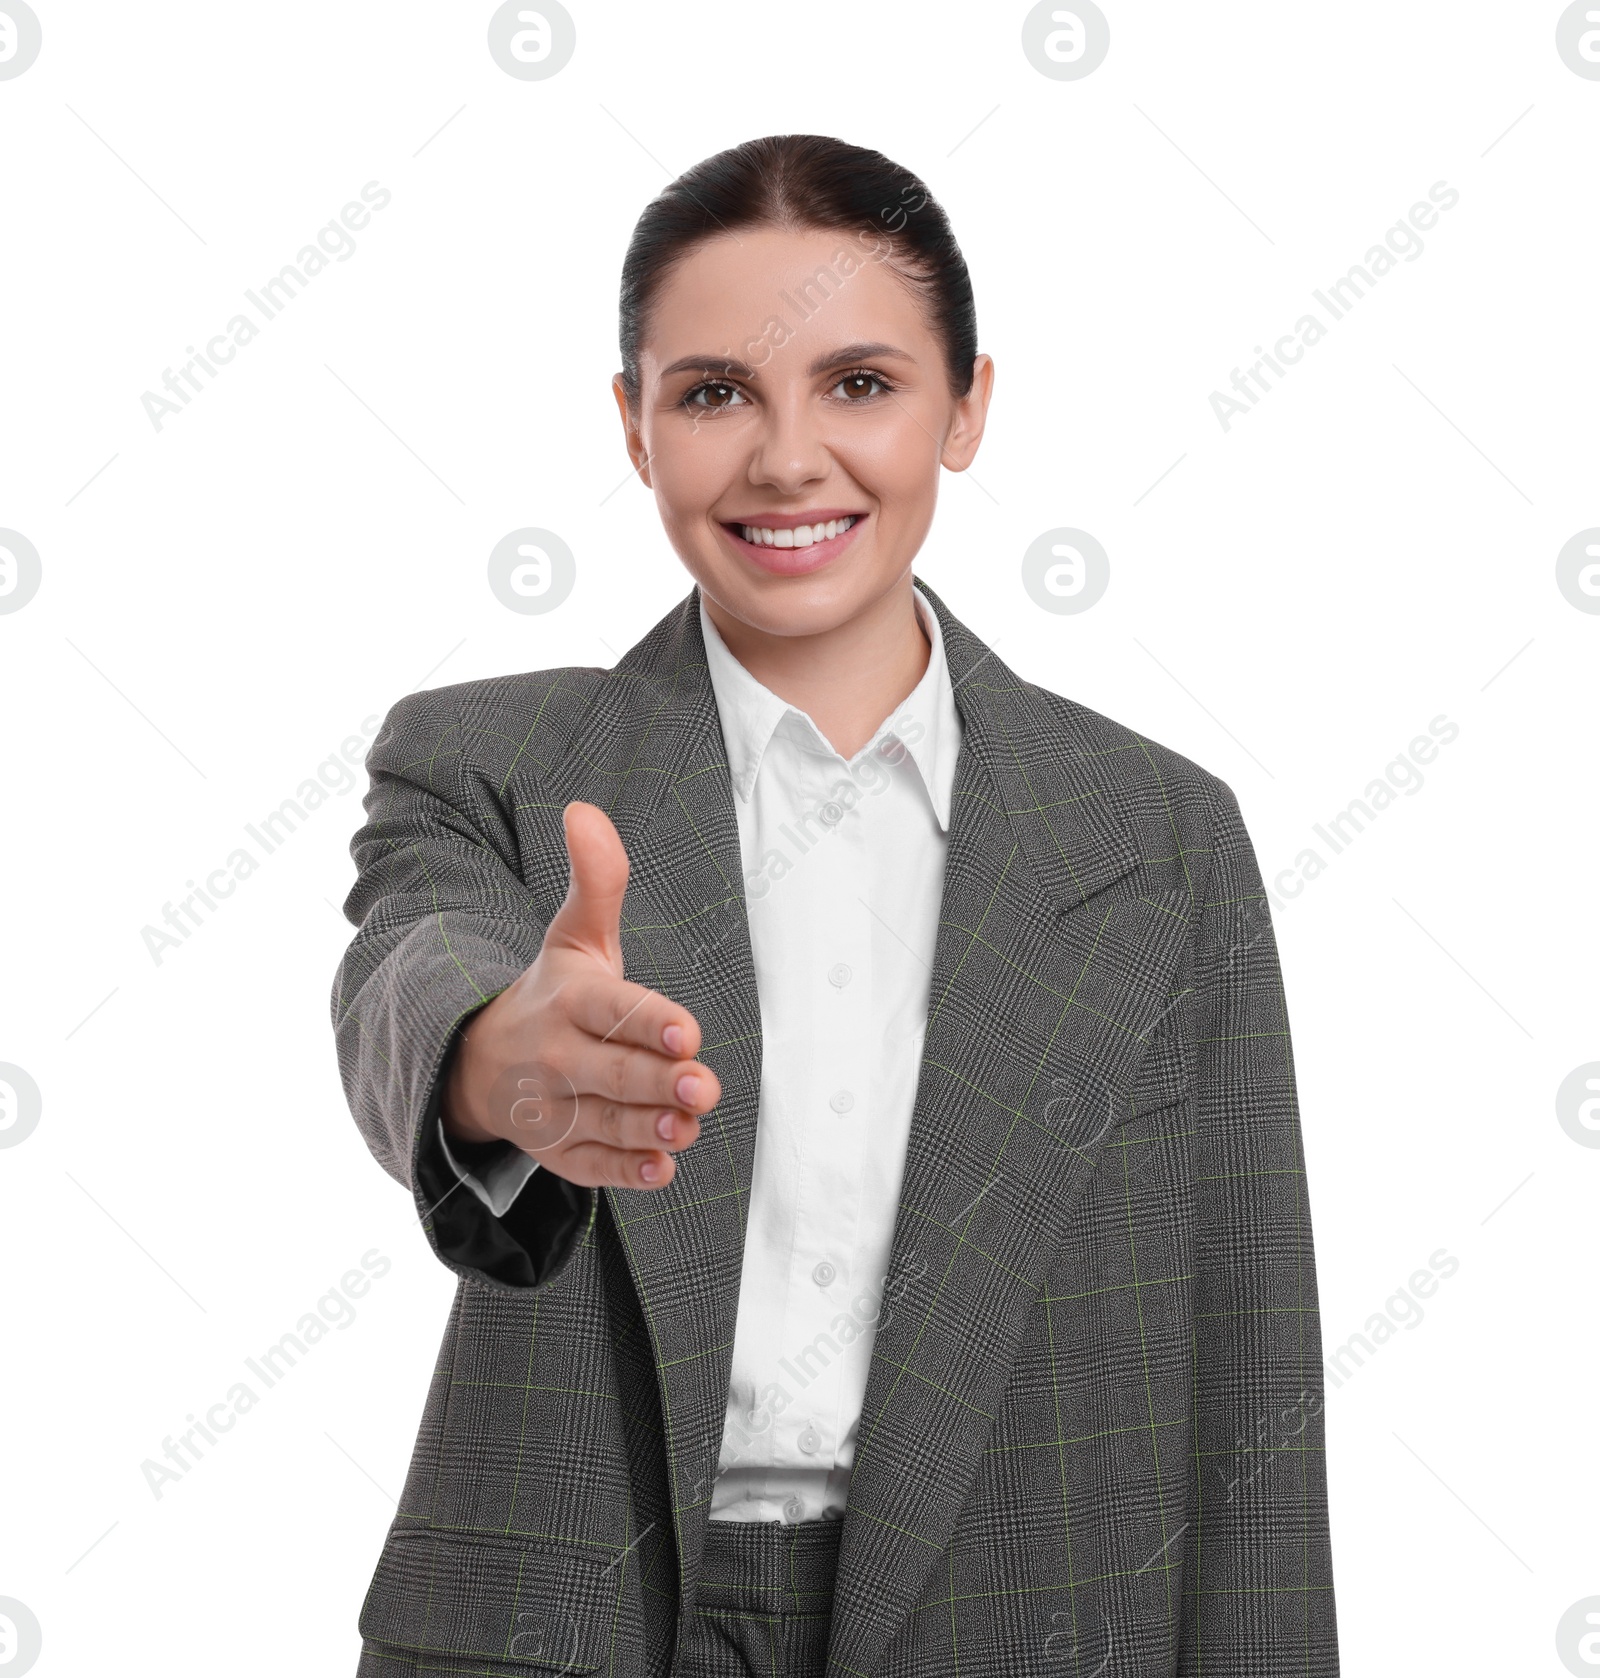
(226, 599)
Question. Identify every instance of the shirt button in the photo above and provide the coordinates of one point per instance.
(841, 1101)
(793, 1508)
(839, 974)
(810, 1441)
(823, 1274)
(832, 814)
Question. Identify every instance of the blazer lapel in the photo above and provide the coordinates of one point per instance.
(657, 765)
(1046, 984)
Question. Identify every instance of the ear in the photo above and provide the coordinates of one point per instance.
(968, 414)
(632, 436)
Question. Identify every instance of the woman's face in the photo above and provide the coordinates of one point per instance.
(794, 412)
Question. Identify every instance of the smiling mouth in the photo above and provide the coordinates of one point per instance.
(796, 536)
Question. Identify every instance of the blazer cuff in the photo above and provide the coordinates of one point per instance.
(527, 1246)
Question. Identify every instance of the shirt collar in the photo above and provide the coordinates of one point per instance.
(751, 713)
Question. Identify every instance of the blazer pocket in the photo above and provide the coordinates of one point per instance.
(475, 1597)
(1162, 1080)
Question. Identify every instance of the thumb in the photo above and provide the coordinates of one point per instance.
(590, 918)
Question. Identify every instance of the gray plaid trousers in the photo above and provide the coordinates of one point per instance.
(1092, 1441)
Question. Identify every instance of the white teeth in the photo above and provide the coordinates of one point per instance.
(800, 536)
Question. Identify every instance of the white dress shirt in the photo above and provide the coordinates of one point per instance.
(844, 869)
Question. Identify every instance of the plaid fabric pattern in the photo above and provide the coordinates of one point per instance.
(1092, 1439)
(765, 1600)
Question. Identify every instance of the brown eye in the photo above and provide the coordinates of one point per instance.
(858, 385)
(713, 395)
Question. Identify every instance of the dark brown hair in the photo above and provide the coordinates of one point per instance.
(804, 181)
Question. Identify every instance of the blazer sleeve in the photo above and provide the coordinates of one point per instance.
(1258, 1578)
(445, 924)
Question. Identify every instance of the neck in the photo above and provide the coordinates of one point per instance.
(847, 679)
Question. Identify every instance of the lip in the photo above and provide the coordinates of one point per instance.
(793, 521)
(795, 562)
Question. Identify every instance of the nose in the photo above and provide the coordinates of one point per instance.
(789, 450)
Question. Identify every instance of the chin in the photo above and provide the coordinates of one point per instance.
(785, 605)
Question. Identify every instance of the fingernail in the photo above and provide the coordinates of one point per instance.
(650, 1171)
(688, 1090)
(664, 1126)
(672, 1039)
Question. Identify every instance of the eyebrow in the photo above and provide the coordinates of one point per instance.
(740, 369)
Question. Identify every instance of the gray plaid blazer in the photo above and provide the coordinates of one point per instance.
(1092, 1439)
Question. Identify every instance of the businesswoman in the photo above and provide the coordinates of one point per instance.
(851, 1083)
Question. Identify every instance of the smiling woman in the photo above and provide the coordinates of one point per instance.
(880, 1221)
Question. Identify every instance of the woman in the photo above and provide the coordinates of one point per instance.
(852, 1084)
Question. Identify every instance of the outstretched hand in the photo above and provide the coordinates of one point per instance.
(592, 1075)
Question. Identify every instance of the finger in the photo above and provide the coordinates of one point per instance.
(638, 1077)
(619, 1011)
(545, 1130)
(632, 1128)
(593, 1165)
(590, 917)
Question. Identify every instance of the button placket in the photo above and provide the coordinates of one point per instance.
(828, 1140)
(834, 1140)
